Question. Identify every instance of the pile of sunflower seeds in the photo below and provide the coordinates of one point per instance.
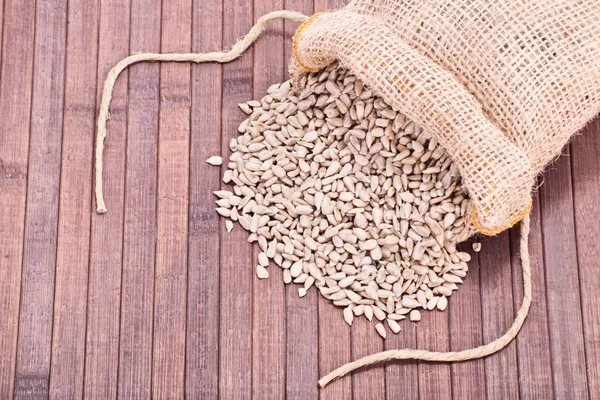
(346, 194)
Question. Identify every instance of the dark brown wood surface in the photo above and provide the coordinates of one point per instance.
(268, 321)
(41, 223)
(156, 300)
(203, 314)
(16, 82)
(68, 353)
(139, 221)
(106, 242)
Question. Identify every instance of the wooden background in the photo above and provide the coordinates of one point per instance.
(154, 299)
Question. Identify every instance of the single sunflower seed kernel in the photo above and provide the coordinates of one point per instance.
(215, 160)
(261, 272)
(394, 326)
(415, 315)
(380, 329)
(348, 315)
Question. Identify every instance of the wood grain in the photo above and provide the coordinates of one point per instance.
(432, 334)
(202, 353)
(1, 30)
(237, 265)
(268, 339)
(139, 224)
(302, 360)
(401, 377)
(15, 113)
(532, 343)
(106, 243)
(465, 331)
(586, 187)
(72, 256)
(302, 324)
(333, 353)
(367, 382)
(41, 222)
(562, 280)
(495, 277)
(321, 5)
(170, 282)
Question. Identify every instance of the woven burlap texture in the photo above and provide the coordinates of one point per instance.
(502, 85)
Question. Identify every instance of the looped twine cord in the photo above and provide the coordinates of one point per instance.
(221, 57)
(464, 355)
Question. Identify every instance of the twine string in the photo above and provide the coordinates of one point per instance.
(453, 356)
(221, 57)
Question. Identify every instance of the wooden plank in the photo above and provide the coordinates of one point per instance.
(268, 339)
(368, 382)
(106, 243)
(333, 353)
(72, 258)
(170, 307)
(1, 30)
(139, 232)
(237, 266)
(562, 280)
(302, 331)
(432, 334)
(321, 5)
(585, 164)
(497, 315)
(202, 353)
(334, 348)
(401, 377)
(586, 187)
(41, 222)
(268, 347)
(15, 114)
(301, 345)
(533, 357)
(464, 322)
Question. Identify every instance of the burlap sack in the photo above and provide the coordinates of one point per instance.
(502, 85)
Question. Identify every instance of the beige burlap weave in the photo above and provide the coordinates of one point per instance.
(502, 85)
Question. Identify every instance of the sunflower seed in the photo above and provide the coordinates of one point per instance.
(348, 315)
(380, 329)
(442, 303)
(394, 326)
(261, 272)
(215, 160)
(415, 315)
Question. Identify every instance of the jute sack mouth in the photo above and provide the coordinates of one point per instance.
(501, 85)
